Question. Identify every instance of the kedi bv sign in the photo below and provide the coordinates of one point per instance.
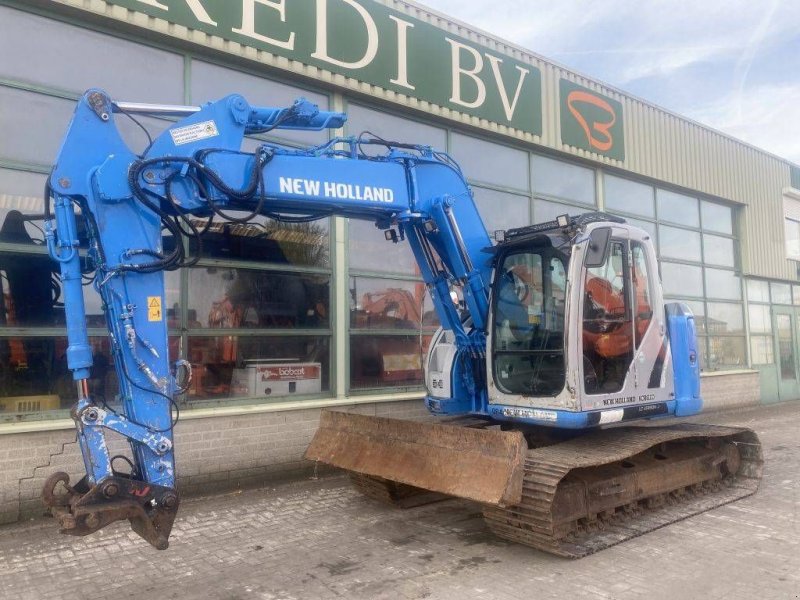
(372, 43)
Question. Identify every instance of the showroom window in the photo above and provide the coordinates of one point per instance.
(264, 293)
(260, 297)
(631, 197)
(758, 308)
(560, 187)
(697, 252)
(391, 316)
(489, 162)
(792, 229)
(768, 345)
(791, 223)
(562, 181)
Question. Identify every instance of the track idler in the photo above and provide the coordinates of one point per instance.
(84, 509)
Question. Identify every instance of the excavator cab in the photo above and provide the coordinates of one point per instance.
(578, 323)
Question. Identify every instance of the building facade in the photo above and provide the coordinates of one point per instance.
(281, 320)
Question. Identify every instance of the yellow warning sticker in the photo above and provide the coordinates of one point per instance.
(154, 308)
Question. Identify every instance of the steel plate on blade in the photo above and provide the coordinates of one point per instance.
(485, 465)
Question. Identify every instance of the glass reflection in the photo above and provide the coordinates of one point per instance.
(390, 304)
(492, 163)
(31, 293)
(628, 196)
(725, 285)
(563, 180)
(788, 367)
(227, 298)
(679, 243)
(266, 241)
(781, 293)
(369, 251)
(387, 361)
(724, 318)
(717, 217)
(30, 290)
(677, 208)
(726, 352)
(757, 291)
(23, 223)
(34, 376)
(761, 350)
(500, 210)
(760, 321)
(681, 280)
(718, 250)
(257, 367)
(544, 211)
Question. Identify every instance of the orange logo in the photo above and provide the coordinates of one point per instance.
(599, 133)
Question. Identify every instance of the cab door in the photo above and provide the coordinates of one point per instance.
(607, 333)
(651, 344)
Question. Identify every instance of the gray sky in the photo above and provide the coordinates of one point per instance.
(731, 64)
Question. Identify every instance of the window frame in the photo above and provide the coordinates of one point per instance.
(787, 222)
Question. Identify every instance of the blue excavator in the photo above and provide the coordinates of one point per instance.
(554, 337)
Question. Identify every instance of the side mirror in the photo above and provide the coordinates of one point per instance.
(597, 248)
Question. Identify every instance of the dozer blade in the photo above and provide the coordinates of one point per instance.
(485, 465)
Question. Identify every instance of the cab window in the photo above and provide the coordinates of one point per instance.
(528, 337)
(642, 289)
(608, 338)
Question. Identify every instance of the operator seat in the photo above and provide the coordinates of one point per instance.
(614, 339)
(602, 336)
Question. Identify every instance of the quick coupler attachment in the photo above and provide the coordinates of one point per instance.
(84, 509)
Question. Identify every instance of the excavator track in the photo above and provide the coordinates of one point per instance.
(600, 489)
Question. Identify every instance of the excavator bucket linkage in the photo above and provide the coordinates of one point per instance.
(484, 465)
(86, 509)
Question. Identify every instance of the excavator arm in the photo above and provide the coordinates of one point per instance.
(131, 204)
